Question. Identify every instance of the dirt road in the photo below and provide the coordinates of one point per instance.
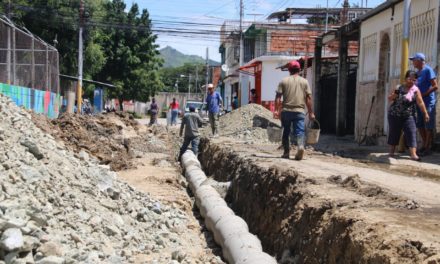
(159, 175)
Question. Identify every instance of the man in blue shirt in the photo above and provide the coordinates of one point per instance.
(213, 102)
(427, 84)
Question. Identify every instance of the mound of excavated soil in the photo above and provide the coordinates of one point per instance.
(248, 123)
(114, 138)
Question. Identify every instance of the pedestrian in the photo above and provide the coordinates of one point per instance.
(174, 106)
(402, 114)
(427, 83)
(154, 109)
(214, 102)
(191, 123)
(234, 103)
(253, 97)
(297, 95)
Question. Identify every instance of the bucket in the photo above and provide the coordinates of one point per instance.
(313, 130)
(274, 134)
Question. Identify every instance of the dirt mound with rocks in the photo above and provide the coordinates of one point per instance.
(57, 208)
(248, 123)
(114, 138)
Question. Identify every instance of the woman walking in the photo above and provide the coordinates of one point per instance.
(154, 109)
(174, 106)
(401, 114)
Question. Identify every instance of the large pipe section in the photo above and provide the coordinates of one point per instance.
(230, 231)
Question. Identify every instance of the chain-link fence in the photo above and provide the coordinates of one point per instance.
(26, 60)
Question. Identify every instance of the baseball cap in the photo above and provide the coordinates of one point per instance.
(293, 65)
(192, 108)
(418, 56)
(210, 85)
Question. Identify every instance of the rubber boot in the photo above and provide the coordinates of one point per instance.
(286, 147)
(300, 152)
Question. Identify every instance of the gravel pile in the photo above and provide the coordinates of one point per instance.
(248, 123)
(57, 207)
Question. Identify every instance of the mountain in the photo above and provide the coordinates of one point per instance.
(174, 58)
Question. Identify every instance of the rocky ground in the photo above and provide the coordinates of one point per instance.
(60, 206)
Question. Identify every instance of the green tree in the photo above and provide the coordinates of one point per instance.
(132, 55)
(171, 76)
(119, 46)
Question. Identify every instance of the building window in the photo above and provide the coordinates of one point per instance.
(369, 65)
(351, 16)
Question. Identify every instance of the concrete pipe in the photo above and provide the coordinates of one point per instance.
(257, 258)
(241, 246)
(228, 226)
(188, 158)
(230, 231)
(213, 216)
(205, 191)
(209, 203)
(195, 181)
(190, 169)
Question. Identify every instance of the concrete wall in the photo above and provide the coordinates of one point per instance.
(270, 79)
(41, 102)
(228, 97)
(247, 83)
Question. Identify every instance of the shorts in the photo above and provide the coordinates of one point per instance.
(420, 118)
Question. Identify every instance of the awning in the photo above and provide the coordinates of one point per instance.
(250, 68)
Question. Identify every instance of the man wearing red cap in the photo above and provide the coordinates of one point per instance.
(296, 94)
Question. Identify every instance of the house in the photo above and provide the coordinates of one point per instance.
(267, 47)
(380, 57)
(230, 59)
(270, 45)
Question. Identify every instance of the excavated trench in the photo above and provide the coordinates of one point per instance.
(295, 223)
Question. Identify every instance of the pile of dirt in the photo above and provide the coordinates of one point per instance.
(114, 138)
(248, 123)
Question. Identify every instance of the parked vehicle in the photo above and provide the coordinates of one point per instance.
(200, 108)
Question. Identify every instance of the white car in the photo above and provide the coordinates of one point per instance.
(200, 108)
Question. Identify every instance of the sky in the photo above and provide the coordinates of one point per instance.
(208, 15)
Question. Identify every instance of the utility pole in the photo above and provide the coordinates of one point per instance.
(8, 53)
(405, 40)
(241, 45)
(197, 79)
(80, 57)
(207, 73)
(189, 85)
(326, 18)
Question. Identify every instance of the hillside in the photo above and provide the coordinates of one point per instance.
(174, 58)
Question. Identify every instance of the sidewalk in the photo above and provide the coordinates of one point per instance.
(347, 147)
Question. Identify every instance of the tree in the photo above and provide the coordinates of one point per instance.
(171, 76)
(132, 55)
(119, 46)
